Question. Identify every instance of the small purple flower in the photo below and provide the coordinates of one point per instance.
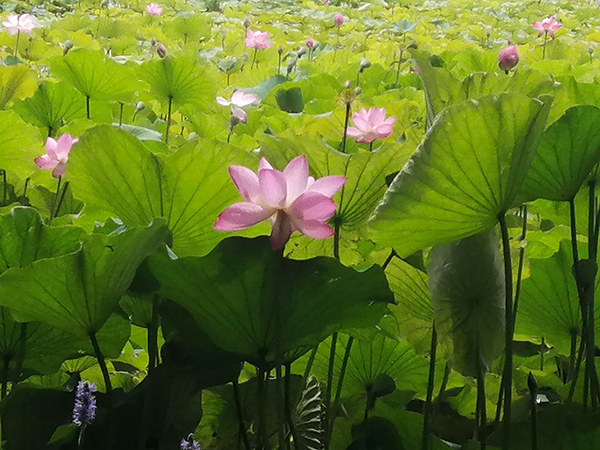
(84, 410)
(189, 443)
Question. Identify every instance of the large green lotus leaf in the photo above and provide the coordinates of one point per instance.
(113, 171)
(180, 80)
(20, 144)
(413, 309)
(374, 352)
(568, 151)
(549, 304)
(15, 82)
(52, 105)
(79, 291)
(466, 172)
(466, 280)
(234, 291)
(96, 75)
(528, 82)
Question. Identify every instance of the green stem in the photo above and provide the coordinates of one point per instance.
(54, 201)
(240, 415)
(398, 69)
(4, 188)
(17, 44)
(545, 41)
(21, 353)
(346, 120)
(87, 107)
(153, 336)
(426, 438)
(309, 364)
(5, 368)
(262, 406)
(542, 354)
(338, 391)
(577, 369)
(371, 146)
(121, 105)
(336, 238)
(445, 379)
(509, 329)
(280, 406)
(482, 423)
(61, 199)
(101, 362)
(521, 263)
(533, 406)
(253, 59)
(289, 406)
(589, 299)
(81, 437)
(328, 412)
(168, 120)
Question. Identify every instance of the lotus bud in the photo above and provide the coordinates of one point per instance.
(338, 20)
(193, 136)
(364, 64)
(358, 90)
(161, 50)
(488, 33)
(347, 84)
(68, 45)
(139, 106)
(590, 49)
(153, 42)
(508, 58)
(246, 22)
(310, 42)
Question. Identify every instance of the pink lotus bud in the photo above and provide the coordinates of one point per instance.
(338, 20)
(508, 58)
(347, 84)
(310, 43)
(161, 50)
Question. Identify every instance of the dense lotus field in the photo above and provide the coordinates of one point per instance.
(299, 225)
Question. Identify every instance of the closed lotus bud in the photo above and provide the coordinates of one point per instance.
(347, 84)
(139, 106)
(153, 42)
(590, 49)
(338, 20)
(358, 91)
(161, 50)
(488, 33)
(508, 58)
(365, 64)
(310, 42)
(246, 22)
(193, 136)
(280, 50)
(233, 121)
(68, 45)
(302, 51)
(532, 383)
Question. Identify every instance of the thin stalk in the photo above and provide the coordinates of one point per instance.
(279, 64)
(121, 105)
(21, 353)
(509, 329)
(328, 391)
(445, 379)
(398, 69)
(240, 415)
(5, 368)
(54, 201)
(168, 120)
(371, 146)
(61, 199)
(521, 263)
(340, 385)
(426, 438)
(280, 406)
(589, 300)
(545, 41)
(572, 354)
(542, 355)
(26, 186)
(533, 405)
(101, 362)
(87, 107)
(577, 370)
(4, 188)
(309, 364)
(81, 437)
(262, 406)
(17, 44)
(229, 134)
(346, 120)
(482, 422)
(153, 336)
(289, 406)
(253, 58)
(336, 238)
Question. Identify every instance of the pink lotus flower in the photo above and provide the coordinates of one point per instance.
(338, 20)
(19, 23)
(257, 39)
(548, 25)
(154, 9)
(57, 154)
(508, 58)
(310, 42)
(292, 200)
(239, 99)
(370, 125)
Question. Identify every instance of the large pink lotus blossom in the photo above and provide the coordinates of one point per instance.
(257, 39)
(548, 25)
(338, 20)
(239, 99)
(57, 155)
(370, 125)
(508, 58)
(154, 9)
(292, 200)
(19, 23)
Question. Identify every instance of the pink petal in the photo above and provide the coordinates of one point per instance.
(296, 176)
(310, 182)
(51, 146)
(264, 164)
(59, 170)
(273, 187)
(282, 230)
(328, 186)
(539, 27)
(361, 122)
(239, 113)
(354, 132)
(63, 146)
(366, 138)
(240, 216)
(223, 101)
(384, 130)
(312, 206)
(241, 99)
(314, 229)
(376, 116)
(245, 181)
(45, 162)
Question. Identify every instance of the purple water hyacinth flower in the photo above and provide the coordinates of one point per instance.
(189, 444)
(84, 409)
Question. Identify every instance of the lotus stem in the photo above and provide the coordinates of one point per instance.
(309, 364)
(398, 68)
(168, 120)
(121, 105)
(17, 44)
(336, 238)
(289, 405)
(262, 405)
(54, 201)
(346, 120)
(509, 329)
(521, 264)
(280, 405)
(371, 146)
(153, 336)
(482, 417)
(590, 300)
(533, 406)
(107, 386)
(21, 353)
(61, 199)
(329, 389)
(240, 415)
(426, 439)
(87, 107)
(340, 385)
(4, 188)
(254, 58)
(26, 186)
(545, 41)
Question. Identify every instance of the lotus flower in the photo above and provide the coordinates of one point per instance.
(310, 42)
(508, 58)
(338, 20)
(19, 23)
(57, 155)
(239, 99)
(370, 125)
(257, 39)
(292, 200)
(154, 9)
(548, 25)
